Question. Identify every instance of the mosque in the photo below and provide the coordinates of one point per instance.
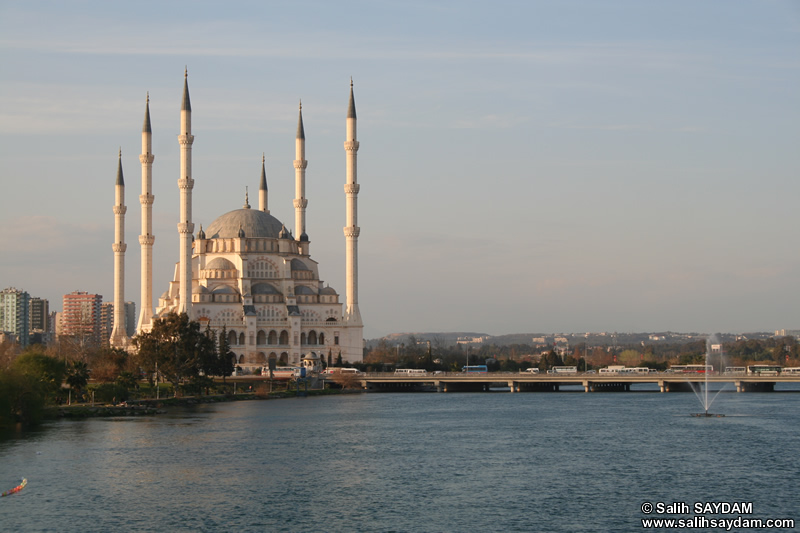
(246, 273)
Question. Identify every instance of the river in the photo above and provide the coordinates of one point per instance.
(493, 461)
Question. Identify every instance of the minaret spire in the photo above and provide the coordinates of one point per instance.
(185, 185)
(300, 164)
(119, 338)
(146, 238)
(262, 188)
(351, 230)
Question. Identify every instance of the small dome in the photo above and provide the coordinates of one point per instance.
(220, 263)
(302, 289)
(328, 291)
(299, 265)
(202, 289)
(224, 289)
(264, 288)
(254, 223)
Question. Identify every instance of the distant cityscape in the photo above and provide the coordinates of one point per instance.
(27, 320)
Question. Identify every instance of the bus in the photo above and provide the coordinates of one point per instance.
(638, 370)
(410, 372)
(282, 372)
(613, 369)
(563, 370)
(764, 370)
(735, 370)
(475, 369)
(692, 369)
(792, 370)
(337, 370)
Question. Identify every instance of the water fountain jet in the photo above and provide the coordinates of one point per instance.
(703, 395)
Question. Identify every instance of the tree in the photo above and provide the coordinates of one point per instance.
(225, 356)
(31, 381)
(77, 376)
(177, 346)
(347, 380)
(549, 360)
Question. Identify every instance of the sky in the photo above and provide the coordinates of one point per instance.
(525, 166)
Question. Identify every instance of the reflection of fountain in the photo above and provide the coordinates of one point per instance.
(702, 390)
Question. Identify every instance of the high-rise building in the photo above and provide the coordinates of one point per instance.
(39, 313)
(40, 332)
(15, 314)
(130, 318)
(81, 317)
(107, 321)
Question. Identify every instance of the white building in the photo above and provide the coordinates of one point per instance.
(247, 273)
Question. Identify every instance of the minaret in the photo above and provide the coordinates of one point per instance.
(118, 337)
(300, 164)
(146, 239)
(351, 230)
(185, 184)
(262, 189)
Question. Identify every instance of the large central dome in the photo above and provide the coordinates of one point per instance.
(255, 223)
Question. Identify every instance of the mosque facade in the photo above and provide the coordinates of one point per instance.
(246, 275)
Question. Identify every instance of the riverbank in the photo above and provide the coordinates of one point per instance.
(153, 406)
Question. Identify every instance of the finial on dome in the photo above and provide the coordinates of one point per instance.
(246, 199)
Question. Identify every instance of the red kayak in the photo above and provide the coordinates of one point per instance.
(15, 489)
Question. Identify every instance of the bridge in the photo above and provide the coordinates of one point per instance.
(523, 382)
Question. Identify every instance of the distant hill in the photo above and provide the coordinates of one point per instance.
(594, 339)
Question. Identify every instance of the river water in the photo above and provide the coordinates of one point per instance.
(406, 462)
